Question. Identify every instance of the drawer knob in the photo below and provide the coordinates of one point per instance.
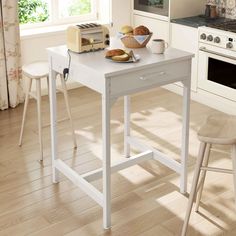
(151, 75)
(162, 73)
(142, 78)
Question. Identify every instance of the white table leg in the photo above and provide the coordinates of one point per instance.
(126, 125)
(106, 106)
(185, 136)
(53, 119)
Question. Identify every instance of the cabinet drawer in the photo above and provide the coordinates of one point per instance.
(148, 78)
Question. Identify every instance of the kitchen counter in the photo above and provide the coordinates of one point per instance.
(197, 21)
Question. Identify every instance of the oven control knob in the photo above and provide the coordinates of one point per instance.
(203, 36)
(107, 42)
(210, 38)
(229, 45)
(217, 39)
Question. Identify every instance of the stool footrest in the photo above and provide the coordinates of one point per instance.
(217, 170)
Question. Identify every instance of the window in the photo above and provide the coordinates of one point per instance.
(33, 13)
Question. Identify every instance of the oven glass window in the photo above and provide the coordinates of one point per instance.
(222, 72)
(160, 7)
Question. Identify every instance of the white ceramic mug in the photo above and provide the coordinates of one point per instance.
(158, 46)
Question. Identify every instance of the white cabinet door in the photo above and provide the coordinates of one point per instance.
(159, 28)
(121, 15)
(186, 38)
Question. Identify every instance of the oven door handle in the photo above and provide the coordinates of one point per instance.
(203, 49)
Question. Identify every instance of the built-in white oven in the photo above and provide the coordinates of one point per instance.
(159, 7)
(217, 65)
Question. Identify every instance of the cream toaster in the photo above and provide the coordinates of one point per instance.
(87, 37)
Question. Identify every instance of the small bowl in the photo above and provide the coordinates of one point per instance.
(130, 42)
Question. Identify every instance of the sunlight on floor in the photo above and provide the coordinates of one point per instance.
(136, 174)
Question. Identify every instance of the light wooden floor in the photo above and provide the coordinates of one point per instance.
(145, 198)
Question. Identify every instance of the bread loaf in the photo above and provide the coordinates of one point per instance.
(141, 30)
(115, 52)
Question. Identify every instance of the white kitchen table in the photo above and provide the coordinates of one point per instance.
(113, 80)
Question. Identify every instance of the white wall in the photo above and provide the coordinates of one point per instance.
(33, 47)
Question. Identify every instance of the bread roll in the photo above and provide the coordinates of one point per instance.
(126, 29)
(115, 52)
(124, 57)
(141, 30)
(85, 41)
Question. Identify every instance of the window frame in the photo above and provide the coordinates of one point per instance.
(55, 20)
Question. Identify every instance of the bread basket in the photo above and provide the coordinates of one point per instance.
(129, 41)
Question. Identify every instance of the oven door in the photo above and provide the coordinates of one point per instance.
(217, 71)
(159, 7)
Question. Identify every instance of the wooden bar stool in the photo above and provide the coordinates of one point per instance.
(220, 129)
(38, 71)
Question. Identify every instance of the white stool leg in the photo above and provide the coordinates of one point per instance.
(234, 167)
(203, 175)
(194, 187)
(25, 110)
(64, 88)
(38, 90)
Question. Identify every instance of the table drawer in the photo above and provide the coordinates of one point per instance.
(143, 79)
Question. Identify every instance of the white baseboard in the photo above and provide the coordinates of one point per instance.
(208, 99)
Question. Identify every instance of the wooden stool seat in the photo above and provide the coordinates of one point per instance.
(37, 71)
(220, 129)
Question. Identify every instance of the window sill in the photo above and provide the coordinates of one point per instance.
(48, 30)
(42, 31)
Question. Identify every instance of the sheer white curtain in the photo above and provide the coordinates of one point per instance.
(11, 92)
